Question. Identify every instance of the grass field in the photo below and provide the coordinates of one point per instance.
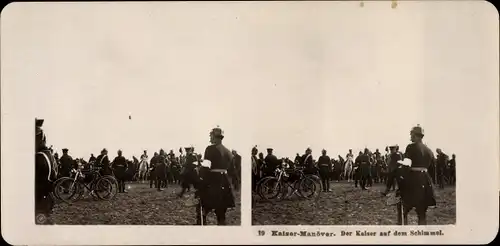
(140, 206)
(347, 205)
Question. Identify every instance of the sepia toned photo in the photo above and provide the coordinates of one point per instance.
(164, 189)
(259, 122)
(371, 188)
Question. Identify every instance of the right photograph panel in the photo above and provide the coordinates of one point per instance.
(392, 185)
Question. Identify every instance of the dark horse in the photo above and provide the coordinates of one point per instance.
(45, 176)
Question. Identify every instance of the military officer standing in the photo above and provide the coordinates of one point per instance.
(189, 174)
(363, 162)
(215, 190)
(452, 165)
(415, 187)
(393, 164)
(255, 168)
(103, 163)
(161, 170)
(325, 165)
(441, 164)
(237, 170)
(272, 163)
(119, 167)
(308, 162)
(67, 163)
(152, 170)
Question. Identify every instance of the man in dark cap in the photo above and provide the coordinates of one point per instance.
(92, 161)
(119, 169)
(452, 165)
(393, 164)
(189, 175)
(161, 170)
(325, 165)
(363, 163)
(103, 163)
(236, 176)
(66, 163)
(214, 189)
(152, 172)
(441, 165)
(415, 186)
(272, 163)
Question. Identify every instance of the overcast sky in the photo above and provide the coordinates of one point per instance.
(287, 76)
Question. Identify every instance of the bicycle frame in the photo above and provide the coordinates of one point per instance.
(79, 174)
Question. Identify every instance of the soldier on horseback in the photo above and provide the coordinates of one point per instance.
(143, 166)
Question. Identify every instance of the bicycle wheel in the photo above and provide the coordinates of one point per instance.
(270, 189)
(67, 190)
(54, 194)
(104, 189)
(309, 188)
(113, 180)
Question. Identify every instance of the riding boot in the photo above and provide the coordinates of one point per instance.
(422, 215)
(158, 185)
(182, 192)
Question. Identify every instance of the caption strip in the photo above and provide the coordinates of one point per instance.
(357, 233)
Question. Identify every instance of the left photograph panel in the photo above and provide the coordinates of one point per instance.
(146, 187)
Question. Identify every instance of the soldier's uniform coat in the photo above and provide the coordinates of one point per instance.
(215, 189)
(418, 191)
(103, 162)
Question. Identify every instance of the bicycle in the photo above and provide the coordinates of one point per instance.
(69, 189)
(281, 184)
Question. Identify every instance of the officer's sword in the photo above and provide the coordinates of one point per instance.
(199, 198)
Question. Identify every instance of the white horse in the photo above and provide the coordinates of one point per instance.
(143, 168)
(348, 168)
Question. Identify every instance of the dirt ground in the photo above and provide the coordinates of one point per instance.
(347, 205)
(140, 206)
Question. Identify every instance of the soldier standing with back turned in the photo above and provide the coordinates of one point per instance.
(214, 188)
(325, 165)
(415, 187)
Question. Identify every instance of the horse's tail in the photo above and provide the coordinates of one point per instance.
(50, 165)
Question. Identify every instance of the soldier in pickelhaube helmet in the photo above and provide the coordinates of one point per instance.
(392, 165)
(189, 175)
(414, 183)
(308, 162)
(214, 189)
